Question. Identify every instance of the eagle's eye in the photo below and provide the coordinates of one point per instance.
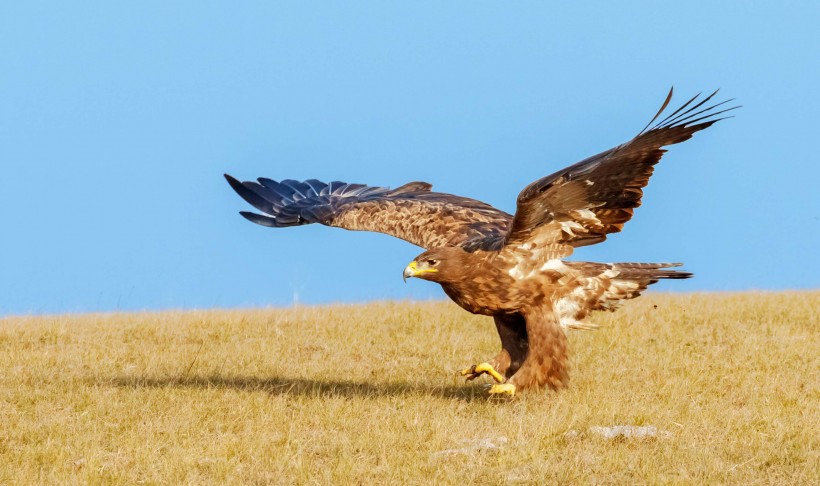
(432, 262)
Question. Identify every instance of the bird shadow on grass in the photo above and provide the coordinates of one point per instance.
(303, 386)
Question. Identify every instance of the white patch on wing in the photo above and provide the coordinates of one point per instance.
(527, 264)
(567, 307)
(516, 273)
(585, 215)
(523, 266)
(554, 264)
(569, 226)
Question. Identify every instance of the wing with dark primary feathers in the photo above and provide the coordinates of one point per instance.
(411, 212)
(581, 204)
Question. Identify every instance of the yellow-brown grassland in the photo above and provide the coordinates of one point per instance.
(367, 394)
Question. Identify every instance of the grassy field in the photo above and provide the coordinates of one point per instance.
(364, 394)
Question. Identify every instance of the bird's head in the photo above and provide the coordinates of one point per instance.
(438, 265)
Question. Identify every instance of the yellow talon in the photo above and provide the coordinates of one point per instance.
(503, 389)
(475, 371)
(488, 368)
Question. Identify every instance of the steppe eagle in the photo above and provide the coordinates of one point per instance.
(510, 267)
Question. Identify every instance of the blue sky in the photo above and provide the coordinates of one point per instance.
(119, 118)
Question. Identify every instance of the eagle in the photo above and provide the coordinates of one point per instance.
(510, 267)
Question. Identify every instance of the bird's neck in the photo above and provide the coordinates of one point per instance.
(481, 288)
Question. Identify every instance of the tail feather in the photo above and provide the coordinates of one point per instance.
(649, 271)
(633, 278)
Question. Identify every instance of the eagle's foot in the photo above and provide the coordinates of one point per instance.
(502, 389)
(477, 370)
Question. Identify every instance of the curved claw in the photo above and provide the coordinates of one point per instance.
(503, 389)
(469, 373)
(477, 370)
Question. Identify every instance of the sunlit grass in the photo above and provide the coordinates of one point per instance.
(368, 394)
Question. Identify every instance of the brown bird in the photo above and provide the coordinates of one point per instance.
(510, 267)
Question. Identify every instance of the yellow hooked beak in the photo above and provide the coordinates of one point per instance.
(413, 270)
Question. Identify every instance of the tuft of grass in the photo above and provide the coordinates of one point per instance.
(367, 394)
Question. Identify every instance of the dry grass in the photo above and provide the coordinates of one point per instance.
(364, 394)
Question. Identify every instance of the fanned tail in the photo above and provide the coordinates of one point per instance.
(607, 286)
(628, 280)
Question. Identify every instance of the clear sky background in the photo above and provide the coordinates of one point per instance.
(117, 120)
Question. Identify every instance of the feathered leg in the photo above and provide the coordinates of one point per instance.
(546, 362)
(513, 333)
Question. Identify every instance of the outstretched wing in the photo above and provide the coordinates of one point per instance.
(581, 204)
(411, 212)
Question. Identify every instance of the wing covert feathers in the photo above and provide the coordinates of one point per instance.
(411, 212)
(581, 204)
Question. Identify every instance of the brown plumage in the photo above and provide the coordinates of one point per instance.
(507, 266)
